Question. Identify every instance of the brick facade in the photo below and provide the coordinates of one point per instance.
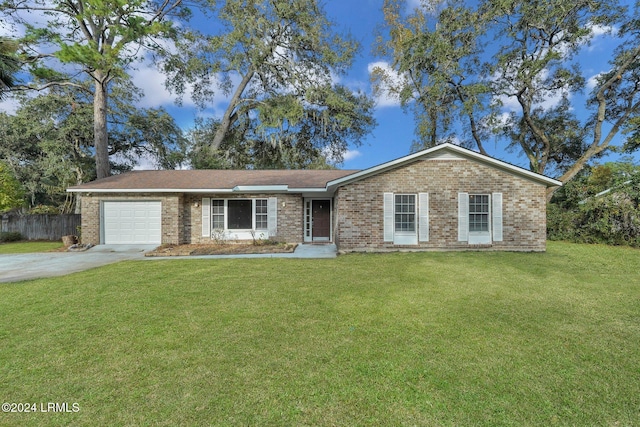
(359, 206)
(172, 214)
(289, 215)
(182, 215)
(358, 214)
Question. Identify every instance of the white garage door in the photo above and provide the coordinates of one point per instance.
(132, 222)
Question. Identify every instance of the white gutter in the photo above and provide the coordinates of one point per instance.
(149, 190)
(260, 188)
(236, 189)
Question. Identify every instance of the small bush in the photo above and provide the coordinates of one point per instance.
(612, 218)
(44, 210)
(10, 236)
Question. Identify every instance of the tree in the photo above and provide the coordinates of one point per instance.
(529, 55)
(600, 205)
(436, 69)
(9, 65)
(100, 38)
(11, 193)
(48, 143)
(277, 60)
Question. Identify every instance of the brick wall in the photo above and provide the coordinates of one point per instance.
(359, 206)
(182, 215)
(171, 214)
(290, 215)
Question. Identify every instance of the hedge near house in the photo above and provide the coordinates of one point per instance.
(610, 216)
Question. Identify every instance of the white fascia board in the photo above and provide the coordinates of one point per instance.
(149, 190)
(237, 189)
(260, 189)
(308, 190)
(462, 151)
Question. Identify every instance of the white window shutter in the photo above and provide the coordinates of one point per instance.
(388, 217)
(423, 217)
(463, 217)
(206, 217)
(272, 216)
(496, 210)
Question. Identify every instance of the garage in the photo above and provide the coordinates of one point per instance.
(132, 222)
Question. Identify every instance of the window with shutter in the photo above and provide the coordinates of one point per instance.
(388, 217)
(272, 216)
(423, 214)
(497, 217)
(463, 217)
(478, 219)
(206, 217)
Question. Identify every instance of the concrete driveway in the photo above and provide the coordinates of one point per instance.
(33, 266)
(18, 267)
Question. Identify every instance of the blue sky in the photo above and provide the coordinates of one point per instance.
(394, 134)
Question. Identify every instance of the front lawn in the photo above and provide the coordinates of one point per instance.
(377, 339)
(26, 247)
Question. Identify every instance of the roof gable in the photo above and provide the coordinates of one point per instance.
(282, 181)
(449, 152)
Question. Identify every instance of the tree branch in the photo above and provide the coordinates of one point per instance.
(22, 88)
(226, 122)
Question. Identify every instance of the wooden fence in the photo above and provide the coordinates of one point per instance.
(42, 227)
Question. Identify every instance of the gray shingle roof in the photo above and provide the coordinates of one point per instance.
(213, 179)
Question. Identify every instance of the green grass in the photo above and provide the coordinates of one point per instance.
(388, 339)
(28, 247)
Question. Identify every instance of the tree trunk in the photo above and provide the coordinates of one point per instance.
(100, 138)
(226, 122)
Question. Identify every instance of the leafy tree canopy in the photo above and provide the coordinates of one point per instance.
(9, 65)
(11, 192)
(456, 63)
(99, 39)
(278, 61)
(48, 143)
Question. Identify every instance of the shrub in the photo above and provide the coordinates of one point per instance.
(612, 218)
(561, 223)
(10, 236)
(44, 210)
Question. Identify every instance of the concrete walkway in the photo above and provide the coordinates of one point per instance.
(18, 267)
(301, 251)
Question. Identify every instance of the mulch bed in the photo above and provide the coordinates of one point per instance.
(220, 249)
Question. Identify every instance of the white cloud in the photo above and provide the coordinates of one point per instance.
(592, 81)
(511, 104)
(552, 100)
(428, 6)
(599, 30)
(348, 155)
(9, 106)
(386, 90)
(151, 81)
(144, 162)
(351, 154)
(508, 103)
(502, 119)
(148, 78)
(6, 30)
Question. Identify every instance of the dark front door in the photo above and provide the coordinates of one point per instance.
(321, 217)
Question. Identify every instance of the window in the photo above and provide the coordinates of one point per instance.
(217, 214)
(479, 212)
(405, 213)
(239, 214)
(261, 214)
